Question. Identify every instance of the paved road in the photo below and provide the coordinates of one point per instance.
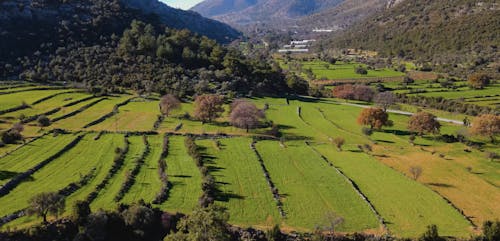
(458, 122)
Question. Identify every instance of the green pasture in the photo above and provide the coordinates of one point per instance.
(138, 115)
(342, 70)
(31, 154)
(8, 101)
(50, 104)
(105, 199)
(91, 114)
(68, 168)
(311, 190)
(147, 182)
(184, 177)
(406, 206)
(241, 183)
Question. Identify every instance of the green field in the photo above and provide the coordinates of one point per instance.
(184, 177)
(299, 174)
(8, 101)
(147, 183)
(341, 70)
(310, 189)
(31, 154)
(242, 186)
(105, 199)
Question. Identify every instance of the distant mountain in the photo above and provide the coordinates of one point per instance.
(345, 14)
(242, 12)
(449, 33)
(176, 18)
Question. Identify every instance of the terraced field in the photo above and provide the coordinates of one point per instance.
(184, 177)
(313, 179)
(242, 186)
(299, 174)
(341, 70)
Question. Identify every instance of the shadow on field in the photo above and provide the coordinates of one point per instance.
(397, 132)
(181, 176)
(8, 175)
(440, 185)
(385, 141)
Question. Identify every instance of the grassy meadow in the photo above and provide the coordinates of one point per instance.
(458, 188)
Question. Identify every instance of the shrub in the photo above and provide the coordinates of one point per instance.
(361, 70)
(43, 120)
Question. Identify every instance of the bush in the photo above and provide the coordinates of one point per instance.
(43, 120)
(11, 136)
(361, 70)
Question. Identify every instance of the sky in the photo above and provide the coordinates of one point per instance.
(182, 4)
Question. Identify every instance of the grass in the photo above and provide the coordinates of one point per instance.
(48, 105)
(147, 182)
(241, 182)
(341, 70)
(311, 189)
(101, 157)
(138, 115)
(93, 113)
(8, 101)
(80, 160)
(105, 199)
(30, 155)
(184, 177)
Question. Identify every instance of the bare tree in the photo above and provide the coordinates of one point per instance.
(385, 99)
(246, 115)
(208, 107)
(415, 172)
(168, 103)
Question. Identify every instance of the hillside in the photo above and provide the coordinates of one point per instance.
(273, 12)
(107, 45)
(450, 33)
(26, 25)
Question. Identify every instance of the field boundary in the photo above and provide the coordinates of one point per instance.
(270, 183)
(65, 192)
(353, 185)
(110, 114)
(164, 192)
(82, 109)
(366, 80)
(4, 190)
(130, 177)
(117, 164)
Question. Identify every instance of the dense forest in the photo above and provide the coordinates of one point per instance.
(104, 45)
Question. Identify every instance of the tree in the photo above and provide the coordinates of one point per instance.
(81, 212)
(423, 123)
(486, 125)
(344, 92)
(491, 231)
(361, 70)
(431, 234)
(415, 172)
(374, 117)
(339, 142)
(44, 204)
(478, 81)
(168, 103)
(363, 92)
(385, 99)
(297, 84)
(245, 115)
(208, 107)
(43, 120)
(204, 224)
